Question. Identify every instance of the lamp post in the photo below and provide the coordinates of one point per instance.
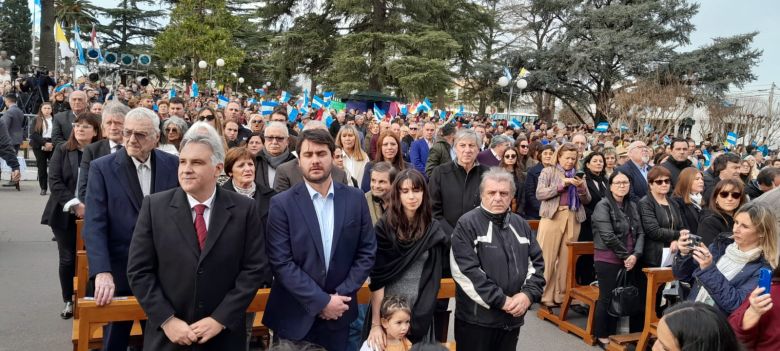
(521, 84)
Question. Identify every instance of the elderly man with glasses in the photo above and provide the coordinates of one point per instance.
(493, 155)
(275, 153)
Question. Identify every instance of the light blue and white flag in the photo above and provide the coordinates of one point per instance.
(379, 115)
(507, 74)
(260, 92)
(514, 123)
(328, 120)
(731, 139)
(285, 97)
(328, 95)
(424, 106)
(707, 156)
(172, 93)
(194, 89)
(317, 103)
(63, 87)
(404, 108)
(222, 101)
(252, 101)
(292, 115)
(267, 107)
(443, 114)
(77, 42)
(460, 111)
(602, 127)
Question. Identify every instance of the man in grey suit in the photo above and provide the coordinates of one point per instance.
(62, 124)
(14, 120)
(112, 124)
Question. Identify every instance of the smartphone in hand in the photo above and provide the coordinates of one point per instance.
(765, 279)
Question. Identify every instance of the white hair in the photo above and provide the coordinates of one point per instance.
(279, 125)
(500, 175)
(115, 109)
(204, 133)
(467, 133)
(312, 125)
(143, 113)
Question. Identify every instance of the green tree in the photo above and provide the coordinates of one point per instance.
(130, 28)
(200, 30)
(71, 12)
(15, 26)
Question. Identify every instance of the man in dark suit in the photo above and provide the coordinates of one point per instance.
(636, 169)
(62, 123)
(14, 120)
(8, 154)
(321, 247)
(117, 184)
(420, 147)
(113, 120)
(289, 174)
(197, 256)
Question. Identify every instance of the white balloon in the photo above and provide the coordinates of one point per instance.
(503, 81)
(522, 84)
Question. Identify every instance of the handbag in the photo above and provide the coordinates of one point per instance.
(625, 299)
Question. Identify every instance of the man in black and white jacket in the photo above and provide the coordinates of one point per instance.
(498, 267)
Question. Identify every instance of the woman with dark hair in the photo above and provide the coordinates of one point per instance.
(411, 249)
(388, 149)
(41, 144)
(757, 321)
(724, 273)
(524, 157)
(563, 196)
(661, 219)
(618, 242)
(509, 162)
(695, 327)
(63, 208)
(688, 196)
(59, 104)
(597, 183)
(255, 144)
(718, 218)
(545, 157)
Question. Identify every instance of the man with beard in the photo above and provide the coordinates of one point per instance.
(321, 247)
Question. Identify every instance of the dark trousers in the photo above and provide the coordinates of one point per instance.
(42, 162)
(323, 335)
(473, 337)
(66, 247)
(604, 324)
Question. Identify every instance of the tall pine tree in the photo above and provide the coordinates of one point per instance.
(131, 28)
(16, 31)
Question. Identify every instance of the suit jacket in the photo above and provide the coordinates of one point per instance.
(486, 158)
(113, 200)
(302, 286)
(261, 169)
(374, 208)
(171, 276)
(289, 174)
(419, 155)
(93, 151)
(639, 187)
(7, 151)
(14, 121)
(262, 196)
(63, 171)
(62, 126)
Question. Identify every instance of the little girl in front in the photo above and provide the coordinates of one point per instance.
(396, 316)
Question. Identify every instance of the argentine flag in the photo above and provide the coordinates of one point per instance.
(424, 106)
(603, 127)
(460, 111)
(515, 124)
(328, 120)
(222, 101)
(194, 89)
(378, 113)
(267, 107)
(172, 93)
(706, 154)
(292, 116)
(77, 41)
(317, 103)
(404, 109)
(328, 95)
(731, 139)
(252, 101)
(285, 97)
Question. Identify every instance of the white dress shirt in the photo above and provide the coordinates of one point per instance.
(207, 213)
(113, 146)
(144, 170)
(47, 128)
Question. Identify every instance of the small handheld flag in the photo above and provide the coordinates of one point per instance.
(172, 93)
(222, 101)
(77, 42)
(328, 95)
(285, 97)
(328, 120)
(267, 107)
(507, 74)
(317, 103)
(404, 109)
(194, 88)
(424, 106)
(378, 113)
(443, 114)
(602, 127)
(731, 139)
(292, 116)
(514, 123)
(706, 154)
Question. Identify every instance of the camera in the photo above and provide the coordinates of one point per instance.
(693, 240)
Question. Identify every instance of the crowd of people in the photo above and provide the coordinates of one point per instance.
(191, 207)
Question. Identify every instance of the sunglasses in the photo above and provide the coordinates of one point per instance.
(257, 122)
(662, 181)
(415, 128)
(523, 146)
(168, 130)
(736, 195)
(206, 117)
(277, 139)
(511, 157)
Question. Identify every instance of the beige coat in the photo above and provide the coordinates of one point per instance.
(547, 193)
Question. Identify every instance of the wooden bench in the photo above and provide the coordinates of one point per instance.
(656, 277)
(587, 294)
(91, 317)
(533, 223)
(82, 269)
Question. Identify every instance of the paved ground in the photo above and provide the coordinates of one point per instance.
(29, 289)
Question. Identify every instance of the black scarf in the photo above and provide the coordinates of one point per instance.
(599, 179)
(680, 164)
(393, 258)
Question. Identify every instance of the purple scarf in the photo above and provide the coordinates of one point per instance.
(574, 199)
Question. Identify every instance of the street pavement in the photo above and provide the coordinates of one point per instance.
(29, 287)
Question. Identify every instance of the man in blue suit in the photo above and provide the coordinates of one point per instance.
(636, 169)
(420, 147)
(116, 187)
(321, 246)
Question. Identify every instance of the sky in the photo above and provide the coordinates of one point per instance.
(720, 18)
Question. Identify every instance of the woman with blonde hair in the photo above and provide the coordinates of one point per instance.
(355, 159)
(563, 196)
(725, 273)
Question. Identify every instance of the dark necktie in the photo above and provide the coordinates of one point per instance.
(200, 224)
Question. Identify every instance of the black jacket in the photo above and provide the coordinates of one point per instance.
(454, 192)
(598, 188)
(532, 204)
(63, 171)
(711, 224)
(263, 197)
(710, 181)
(611, 224)
(752, 190)
(7, 151)
(660, 230)
(690, 215)
(490, 262)
(675, 168)
(92, 151)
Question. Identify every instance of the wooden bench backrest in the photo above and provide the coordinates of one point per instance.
(576, 249)
(79, 237)
(533, 223)
(656, 276)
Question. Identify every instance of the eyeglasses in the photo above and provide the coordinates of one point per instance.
(277, 139)
(511, 157)
(82, 126)
(523, 146)
(621, 183)
(168, 130)
(662, 181)
(257, 122)
(139, 136)
(413, 128)
(736, 195)
(206, 117)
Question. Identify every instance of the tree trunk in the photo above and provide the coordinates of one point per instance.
(47, 45)
(377, 55)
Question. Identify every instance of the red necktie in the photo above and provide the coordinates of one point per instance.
(200, 224)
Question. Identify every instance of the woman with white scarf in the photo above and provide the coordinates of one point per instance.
(724, 274)
(688, 196)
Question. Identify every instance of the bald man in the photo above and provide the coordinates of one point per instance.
(62, 124)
